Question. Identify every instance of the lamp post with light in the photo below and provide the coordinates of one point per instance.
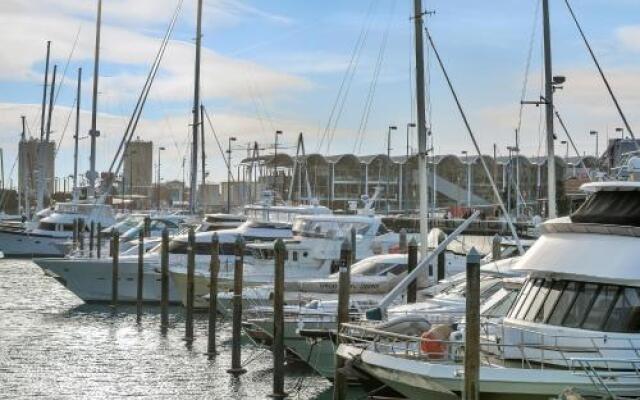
(231, 139)
(161, 148)
(595, 133)
(386, 192)
(409, 126)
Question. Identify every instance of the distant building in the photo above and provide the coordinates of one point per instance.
(138, 168)
(209, 197)
(28, 166)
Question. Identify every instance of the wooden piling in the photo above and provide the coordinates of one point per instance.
(74, 235)
(403, 241)
(496, 247)
(278, 321)
(236, 363)
(164, 282)
(472, 332)
(140, 277)
(353, 245)
(214, 270)
(412, 262)
(99, 241)
(441, 269)
(115, 249)
(344, 282)
(147, 226)
(191, 265)
(92, 232)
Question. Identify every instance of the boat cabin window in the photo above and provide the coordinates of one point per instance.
(583, 305)
(180, 247)
(502, 306)
(329, 229)
(372, 268)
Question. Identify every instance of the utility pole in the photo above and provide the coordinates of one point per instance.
(76, 138)
(548, 94)
(196, 113)
(422, 126)
(94, 133)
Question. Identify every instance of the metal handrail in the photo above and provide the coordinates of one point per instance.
(548, 354)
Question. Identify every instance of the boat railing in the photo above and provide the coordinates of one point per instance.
(603, 353)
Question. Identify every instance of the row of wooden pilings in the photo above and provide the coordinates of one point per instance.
(347, 258)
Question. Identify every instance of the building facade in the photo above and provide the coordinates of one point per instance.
(29, 165)
(137, 176)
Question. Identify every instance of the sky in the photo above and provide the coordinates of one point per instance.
(340, 72)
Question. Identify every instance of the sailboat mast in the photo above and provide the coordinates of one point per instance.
(76, 136)
(422, 126)
(23, 167)
(94, 133)
(196, 113)
(548, 94)
(44, 90)
(203, 153)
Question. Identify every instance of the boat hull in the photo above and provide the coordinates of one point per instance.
(19, 243)
(443, 381)
(90, 279)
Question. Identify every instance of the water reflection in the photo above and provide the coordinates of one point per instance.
(55, 346)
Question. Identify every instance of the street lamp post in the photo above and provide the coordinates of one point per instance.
(386, 192)
(159, 177)
(409, 126)
(595, 133)
(466, 160)
(231, 139)
(131, 178)
(621, 131)
(566, 153)
(275, 160)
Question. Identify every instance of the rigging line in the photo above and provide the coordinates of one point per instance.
(215, 136)
(66, 125)
(475, 144)
(374, 83)
(602, 75)
(523, 93)
(135, 117)
(573, 145)
(349, 84)
(64, 71)
(357, 49)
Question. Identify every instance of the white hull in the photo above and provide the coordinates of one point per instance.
(22, 244)
(417, 379)
(90, 279)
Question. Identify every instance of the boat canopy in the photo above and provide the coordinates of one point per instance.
(620, 206)
(584, 256)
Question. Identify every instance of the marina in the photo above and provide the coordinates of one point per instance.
(275, 258)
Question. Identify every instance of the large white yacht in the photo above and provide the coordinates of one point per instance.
(48, 237)
(89, 277)
(576, 322)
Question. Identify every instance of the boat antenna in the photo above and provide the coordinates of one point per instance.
(514, 233)
(94, 133)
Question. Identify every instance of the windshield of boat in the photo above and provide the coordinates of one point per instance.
(127, 223)
(378, 268)
(331, 229)
(488, 286)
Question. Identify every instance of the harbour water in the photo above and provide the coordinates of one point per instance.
(54, 346)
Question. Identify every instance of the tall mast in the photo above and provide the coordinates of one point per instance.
(196, 113)
(44, 90)
(94, 133)
(23, 167)
(422, 126)
(548, 95)
(203, 153)
(43, 146)
(76, 137)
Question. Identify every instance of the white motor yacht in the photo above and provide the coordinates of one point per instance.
(576, 322)
(48, 237)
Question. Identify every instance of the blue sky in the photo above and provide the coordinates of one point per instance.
(279, 64)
